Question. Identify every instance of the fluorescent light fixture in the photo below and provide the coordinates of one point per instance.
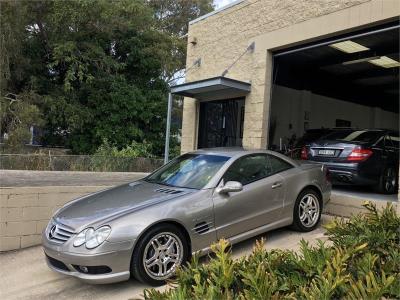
(356, 61)
(349, 47)
(385, 62)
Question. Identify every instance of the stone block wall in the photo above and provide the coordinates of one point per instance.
(25, 212)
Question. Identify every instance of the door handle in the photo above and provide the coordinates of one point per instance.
(276, 185)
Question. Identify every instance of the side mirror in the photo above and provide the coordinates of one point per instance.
(229, 187)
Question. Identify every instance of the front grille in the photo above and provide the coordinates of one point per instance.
(59, 233)
(56, 263)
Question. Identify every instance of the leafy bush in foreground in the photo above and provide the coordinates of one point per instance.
(361, 261)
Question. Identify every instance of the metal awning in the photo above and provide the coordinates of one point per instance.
(212, 89)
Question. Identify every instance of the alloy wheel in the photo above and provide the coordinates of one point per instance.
(162, 255)
(309, 210)
(389, 180)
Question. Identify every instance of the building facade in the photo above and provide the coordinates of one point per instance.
(239, 42)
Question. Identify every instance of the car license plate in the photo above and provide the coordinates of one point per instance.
(326, 152)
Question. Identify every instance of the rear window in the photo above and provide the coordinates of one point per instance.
(278, 165)
(364, 136)
(311, 136)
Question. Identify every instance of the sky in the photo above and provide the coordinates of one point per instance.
(220, 3)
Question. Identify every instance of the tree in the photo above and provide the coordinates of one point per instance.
(173, 17)
(19, 108)
(99, 69)
(18, 114)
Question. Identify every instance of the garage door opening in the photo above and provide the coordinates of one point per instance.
(345, 83)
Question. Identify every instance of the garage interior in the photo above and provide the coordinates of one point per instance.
(345, 81)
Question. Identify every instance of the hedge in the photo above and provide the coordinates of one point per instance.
(360, 260)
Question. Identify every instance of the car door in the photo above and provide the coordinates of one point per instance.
(392, 148)
(385, 155)
(259, 203)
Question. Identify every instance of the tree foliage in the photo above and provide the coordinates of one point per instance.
(99, 69)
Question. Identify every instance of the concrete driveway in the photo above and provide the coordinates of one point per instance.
(24, 273)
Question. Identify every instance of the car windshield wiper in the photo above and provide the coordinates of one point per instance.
(158, 182)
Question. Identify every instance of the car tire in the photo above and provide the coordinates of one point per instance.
(307, 211)
(153, 254)
(388, 181)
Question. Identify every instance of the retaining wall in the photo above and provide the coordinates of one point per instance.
(25, 211)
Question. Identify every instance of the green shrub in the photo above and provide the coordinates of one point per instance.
(135, 149)
(361, 260)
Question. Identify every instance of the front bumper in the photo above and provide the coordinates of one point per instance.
(116, 260)
(119, 271)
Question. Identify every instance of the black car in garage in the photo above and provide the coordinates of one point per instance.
(359, 157)
(309, 136)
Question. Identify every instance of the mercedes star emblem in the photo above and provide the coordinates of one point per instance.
(52, 231)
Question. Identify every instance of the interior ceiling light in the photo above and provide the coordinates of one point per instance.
(349, 47)
(356, 61)
(385, 62)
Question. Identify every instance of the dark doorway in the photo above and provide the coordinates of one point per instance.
(221, 123)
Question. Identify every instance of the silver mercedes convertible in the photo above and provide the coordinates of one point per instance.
(147, 228)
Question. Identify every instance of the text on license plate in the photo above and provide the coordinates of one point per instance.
(326, 152)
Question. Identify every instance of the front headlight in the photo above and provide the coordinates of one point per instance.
(92, 238)
(80, 239)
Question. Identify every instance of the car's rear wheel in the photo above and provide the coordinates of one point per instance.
(307, 210)
(388, 181)
(158, 253)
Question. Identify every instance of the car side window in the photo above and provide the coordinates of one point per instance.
(394, 141)
(248, 169)
(390, 141)
(381, 142)
(278, 164)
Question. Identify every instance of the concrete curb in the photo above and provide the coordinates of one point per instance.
(345, 205)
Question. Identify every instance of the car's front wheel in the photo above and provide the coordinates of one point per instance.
(158, 253)
(307, 211)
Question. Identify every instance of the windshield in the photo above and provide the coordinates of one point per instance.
(189, 171)
(354, 135)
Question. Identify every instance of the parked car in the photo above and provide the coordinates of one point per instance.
(149, 227)
(309, 136)
(359, 157)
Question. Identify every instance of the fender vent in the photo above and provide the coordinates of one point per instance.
(202, 227)
(169, 191)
